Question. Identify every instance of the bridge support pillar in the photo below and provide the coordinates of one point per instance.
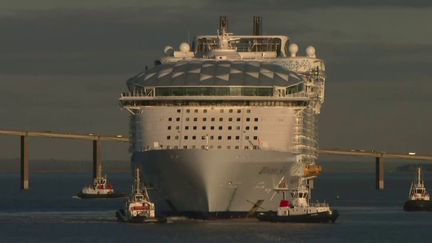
(379, 173)
(97, 160)
(24, 153)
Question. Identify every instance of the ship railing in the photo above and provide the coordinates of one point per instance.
(319, 204)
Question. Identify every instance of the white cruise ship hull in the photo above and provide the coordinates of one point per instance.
(205, 183)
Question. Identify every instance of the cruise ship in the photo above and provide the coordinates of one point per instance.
(218, 123)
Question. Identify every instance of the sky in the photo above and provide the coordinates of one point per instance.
(63, 65)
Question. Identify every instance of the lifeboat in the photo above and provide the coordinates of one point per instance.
(312, 170)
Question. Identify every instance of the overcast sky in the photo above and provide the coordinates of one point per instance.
(63, 65)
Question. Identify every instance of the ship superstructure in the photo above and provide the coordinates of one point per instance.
(217, 123)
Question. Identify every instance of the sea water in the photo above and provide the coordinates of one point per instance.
(48, 212)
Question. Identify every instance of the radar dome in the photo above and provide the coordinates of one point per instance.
(169, 51)
(184, 47)
(310, 51)
(293, 49)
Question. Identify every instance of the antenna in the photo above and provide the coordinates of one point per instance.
(257, 25)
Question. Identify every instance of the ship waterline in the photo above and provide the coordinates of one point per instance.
(211, 181)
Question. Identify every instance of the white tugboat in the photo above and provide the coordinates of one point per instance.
(100, 188)
(300, 210)
(419, 199)
(138, 208)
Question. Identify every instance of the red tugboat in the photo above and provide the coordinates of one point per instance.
(419, 199)
(138, 208)
(100, 189)
(300, 210)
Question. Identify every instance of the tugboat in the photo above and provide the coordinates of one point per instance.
(100, 189)
(138, 208)
(419, 199)
(300, 210)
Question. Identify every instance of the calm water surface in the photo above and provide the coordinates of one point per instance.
(49, 213)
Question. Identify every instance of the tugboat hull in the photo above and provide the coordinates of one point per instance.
(322, 217)
(122, 217)
(92, 196)
(418, 205)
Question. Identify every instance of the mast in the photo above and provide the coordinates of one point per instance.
(419, 180)
(257, 25)
(223, 23)
(137, 180)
